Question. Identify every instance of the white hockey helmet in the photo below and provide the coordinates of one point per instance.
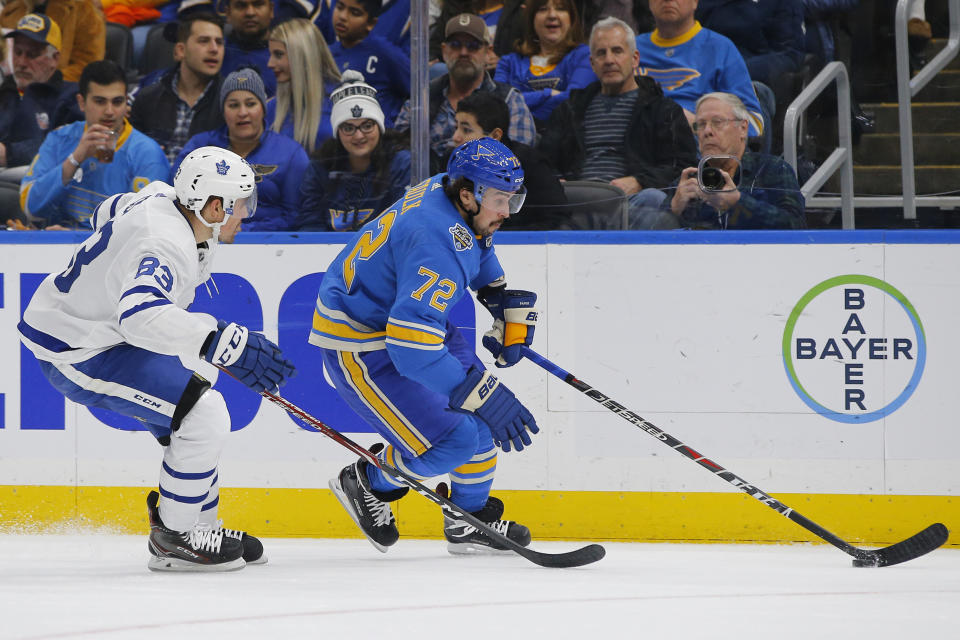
(213, 171)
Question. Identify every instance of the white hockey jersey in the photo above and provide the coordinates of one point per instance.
(129, 282)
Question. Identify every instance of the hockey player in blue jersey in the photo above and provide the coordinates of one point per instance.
(381, 320)
(112, 331)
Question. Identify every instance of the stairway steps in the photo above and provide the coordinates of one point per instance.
(928, 149)
(886, 180)
(945, 87)
(928, 117)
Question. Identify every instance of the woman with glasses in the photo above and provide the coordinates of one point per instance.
(360, 171)
(304, 67)
(552, 57)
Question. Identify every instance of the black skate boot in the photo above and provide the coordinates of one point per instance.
(369, 509)
(464, 539)
(252, 547)
(203, 548)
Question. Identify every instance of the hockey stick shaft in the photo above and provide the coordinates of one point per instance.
(923, 542)
(578, 557)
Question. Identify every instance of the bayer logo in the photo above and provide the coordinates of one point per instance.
(854, 348)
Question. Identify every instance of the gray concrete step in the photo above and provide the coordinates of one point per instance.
(886, 180)
(945, 87)
(941, 117)
(928, 149)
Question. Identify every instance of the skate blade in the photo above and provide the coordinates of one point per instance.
(474, 549)
(261, 560)
(185, 566)
(339, 494)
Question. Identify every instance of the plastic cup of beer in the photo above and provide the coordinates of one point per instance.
(104, 152)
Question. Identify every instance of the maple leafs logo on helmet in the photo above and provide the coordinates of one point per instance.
(210, 172)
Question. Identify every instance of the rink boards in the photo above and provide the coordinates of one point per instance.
(819, 366)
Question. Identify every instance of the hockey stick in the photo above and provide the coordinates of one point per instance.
(913, 547)
(576, 558)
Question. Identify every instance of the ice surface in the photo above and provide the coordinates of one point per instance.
(98, 586)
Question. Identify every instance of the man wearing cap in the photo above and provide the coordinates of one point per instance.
(83, 163)
(35, 99)
(464, 50)
(184, 101)
(83, 30)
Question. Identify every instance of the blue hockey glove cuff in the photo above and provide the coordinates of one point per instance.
(248, 356)
(483, 395)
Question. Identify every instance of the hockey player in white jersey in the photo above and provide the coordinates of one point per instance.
(112, 331)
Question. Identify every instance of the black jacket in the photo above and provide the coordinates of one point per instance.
(659, 142)
(154, 111)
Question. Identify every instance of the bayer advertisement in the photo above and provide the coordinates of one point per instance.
(854, 348)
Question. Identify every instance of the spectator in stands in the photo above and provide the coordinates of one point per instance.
(621, 129)
(482, 114)
(689, 61)
(246, 44)
(81, 164)
(385, 66)
(760, 190)
(552, 57)
(305, 70)
(278, 160)
(185, 100)
(769, 34)
(35, 99)
(504, 20)
(464, 52)
(83, 30)
(359, 172)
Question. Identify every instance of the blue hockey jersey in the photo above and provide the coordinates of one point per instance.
(384, 66)
(324, 132)
(137, 161)
(279, 163)
(698, 62)
(537, 84)
(394, 284)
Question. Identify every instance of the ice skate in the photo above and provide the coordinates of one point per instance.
(464, 539)
(369, 509)
(203, 548)
(252, 547)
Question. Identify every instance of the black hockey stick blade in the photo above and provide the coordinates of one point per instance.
(576, 558)
(933, 537)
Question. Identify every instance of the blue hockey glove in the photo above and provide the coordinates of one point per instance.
(248, 356)
(483, 395)
(514, 321)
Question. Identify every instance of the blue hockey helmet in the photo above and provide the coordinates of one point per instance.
(489, 164)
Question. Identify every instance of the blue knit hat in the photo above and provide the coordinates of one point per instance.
(245, 79)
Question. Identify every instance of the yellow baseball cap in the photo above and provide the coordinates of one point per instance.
(38, 27)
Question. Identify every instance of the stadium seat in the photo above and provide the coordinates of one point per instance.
(120, 47)
(157, 52)
(594, 205)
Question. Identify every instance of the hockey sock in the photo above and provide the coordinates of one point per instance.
(189, 468)
(470, 483)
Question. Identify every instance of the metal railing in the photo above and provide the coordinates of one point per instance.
(842, 157)
(907, 88)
